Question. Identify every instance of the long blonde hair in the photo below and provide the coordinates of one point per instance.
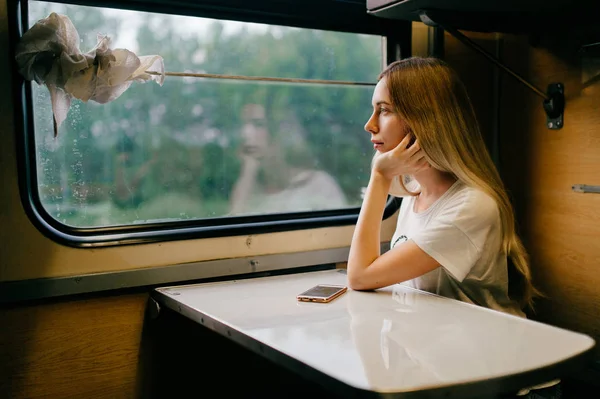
(433, 101)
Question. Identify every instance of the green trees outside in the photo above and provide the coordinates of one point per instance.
(172, 152)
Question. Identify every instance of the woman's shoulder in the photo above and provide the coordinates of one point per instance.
(469, 202)
(474, 195)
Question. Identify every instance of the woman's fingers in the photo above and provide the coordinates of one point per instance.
(405, 141)
(418, 161)
(417, 157)
(414, 148)
(405, 147)
(424, 165)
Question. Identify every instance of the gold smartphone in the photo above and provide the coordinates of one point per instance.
(322, 293)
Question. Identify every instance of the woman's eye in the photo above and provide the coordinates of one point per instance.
(383, 110)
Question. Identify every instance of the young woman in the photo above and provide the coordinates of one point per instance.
(455, 234)
(456, 231)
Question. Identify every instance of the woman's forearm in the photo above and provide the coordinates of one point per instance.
(243, 186)
(366, 242)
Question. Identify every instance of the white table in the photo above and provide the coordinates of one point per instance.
(393, 342)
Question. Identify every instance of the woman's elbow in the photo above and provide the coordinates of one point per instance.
(356, 281)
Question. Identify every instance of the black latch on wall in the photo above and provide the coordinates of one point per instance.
(554, 106)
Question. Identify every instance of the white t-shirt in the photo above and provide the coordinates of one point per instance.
(307, 191)
(462, 231)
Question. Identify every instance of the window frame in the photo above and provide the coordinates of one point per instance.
(396, 35)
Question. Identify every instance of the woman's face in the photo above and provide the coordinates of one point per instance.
(255, 135)
(386, 127)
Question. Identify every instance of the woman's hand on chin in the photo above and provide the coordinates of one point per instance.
(402, 160)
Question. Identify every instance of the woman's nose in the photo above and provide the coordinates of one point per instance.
(371, 126)
(248, 131)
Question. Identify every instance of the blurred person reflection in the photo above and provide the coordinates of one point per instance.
(130, 177)
(278, 172)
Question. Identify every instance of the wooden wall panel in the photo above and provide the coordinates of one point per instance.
(561, 228)
(84, 348)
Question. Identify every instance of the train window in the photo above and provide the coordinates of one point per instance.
(199, 149)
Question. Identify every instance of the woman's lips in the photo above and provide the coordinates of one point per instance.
(377, 144)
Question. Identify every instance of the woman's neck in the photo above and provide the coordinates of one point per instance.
(434, 183)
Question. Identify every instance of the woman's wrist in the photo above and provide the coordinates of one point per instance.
(379, 178)
(250, 165)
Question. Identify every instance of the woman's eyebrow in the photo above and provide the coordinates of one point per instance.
(382, 102)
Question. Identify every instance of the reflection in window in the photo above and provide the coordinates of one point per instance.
(203, 148)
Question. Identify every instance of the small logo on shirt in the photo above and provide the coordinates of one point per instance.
(400, 240)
